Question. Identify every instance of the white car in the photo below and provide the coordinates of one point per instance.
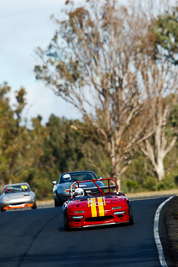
(16, 196)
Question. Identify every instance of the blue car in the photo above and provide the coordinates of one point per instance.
(62, 188)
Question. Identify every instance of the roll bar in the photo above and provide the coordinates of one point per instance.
(95, 182)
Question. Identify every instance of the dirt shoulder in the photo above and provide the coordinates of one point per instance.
(153, 193)
(169, 231)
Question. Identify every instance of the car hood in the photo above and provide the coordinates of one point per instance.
(17, 195)
(86, 204)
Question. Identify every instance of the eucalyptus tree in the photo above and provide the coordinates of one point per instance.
(90, 62)
(6, 127)
(160, 83)
(165, 34)
(159, 79)
(62, 147)
(20, 148)
(13, 136)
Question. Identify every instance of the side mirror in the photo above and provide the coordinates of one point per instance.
(54, 182)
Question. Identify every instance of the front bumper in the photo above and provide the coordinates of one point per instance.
(17, 205)
(87, 221)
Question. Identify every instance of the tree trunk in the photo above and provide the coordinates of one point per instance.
(159, 167)
(115, 165)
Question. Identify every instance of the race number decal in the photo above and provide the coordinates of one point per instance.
(24, 186)
(97, 202)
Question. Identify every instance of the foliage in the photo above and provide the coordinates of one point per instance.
(132, 186)
(150, 183)
(63, 143)
(166, 34)
(172, 125)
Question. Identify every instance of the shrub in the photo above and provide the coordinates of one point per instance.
(150, 183)
(132, 186)
(167, 183)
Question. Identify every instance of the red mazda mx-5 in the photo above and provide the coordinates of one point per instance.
(96, 206)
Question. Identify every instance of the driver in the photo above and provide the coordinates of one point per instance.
(66, 177)
(79, 192)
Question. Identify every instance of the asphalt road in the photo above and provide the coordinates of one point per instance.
(37, 238)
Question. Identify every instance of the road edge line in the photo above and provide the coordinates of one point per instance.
(156, 233)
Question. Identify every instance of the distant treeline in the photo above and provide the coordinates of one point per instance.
(40, 153)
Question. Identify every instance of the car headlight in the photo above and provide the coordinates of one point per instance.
(77, 217)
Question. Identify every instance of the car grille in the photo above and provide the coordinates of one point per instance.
(17, 203)
(99, 219)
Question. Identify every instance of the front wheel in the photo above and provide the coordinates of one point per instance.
(2, 209)
(34, 206)
(57, 201)
(131, 221)
(66, 222)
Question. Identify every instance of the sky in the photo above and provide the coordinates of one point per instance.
(24, 26)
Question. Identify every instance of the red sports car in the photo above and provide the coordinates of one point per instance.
(96, 206)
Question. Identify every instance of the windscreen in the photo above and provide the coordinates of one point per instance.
(77, 176)
(16, 189)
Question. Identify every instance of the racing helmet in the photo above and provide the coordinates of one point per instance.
(79, 192)
(66, 177)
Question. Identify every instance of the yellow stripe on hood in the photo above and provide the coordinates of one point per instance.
(92, 204)
(101, 201)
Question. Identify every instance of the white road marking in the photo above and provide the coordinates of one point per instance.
(156, 233)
